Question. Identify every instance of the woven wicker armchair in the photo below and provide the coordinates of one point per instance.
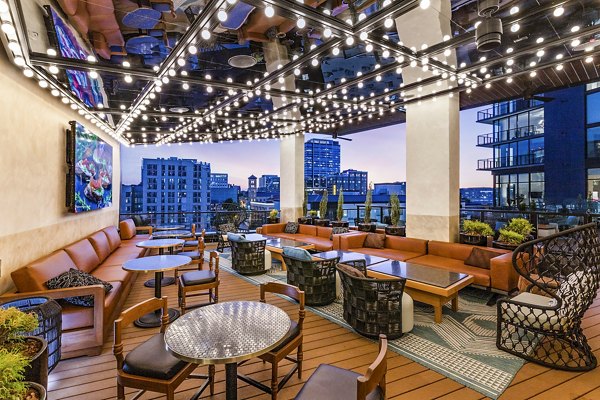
(316, 278)
(222, 231)
(561, 275)
(372, 306)
(248, 256)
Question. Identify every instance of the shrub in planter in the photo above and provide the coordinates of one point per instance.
(512, 235)
(12, 383)
(323, 221)
(340, 212)
(393, 229)
(273, 216)
(475, 232)
(366, 225)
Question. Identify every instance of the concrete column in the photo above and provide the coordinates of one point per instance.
(291, 149)
(432, 135)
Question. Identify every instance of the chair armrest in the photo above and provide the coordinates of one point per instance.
(503, 275)
(273, 228)
(337, 237)
(143, 229)
(352, 240)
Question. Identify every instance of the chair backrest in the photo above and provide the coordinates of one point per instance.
(375, 376)
(213, 263)
(287, 290)
(131, 314)
(225, 228)
(193, 229)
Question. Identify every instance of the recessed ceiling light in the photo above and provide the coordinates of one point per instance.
(510, 62)
(532, 74)
(269, 11)
(559, 67)
(514, 10)
(222, 15)
(532, 64)
(540, 53)
(539, 40)
(589, 59)
(205, 34)
(301, 23)
(515, 27)
(558, 11)
(575, 42)
(509, 50)
(424, 4)
(575, 29)
(388, 22)
(559, 56)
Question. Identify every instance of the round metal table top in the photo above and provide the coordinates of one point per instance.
(171, 234)
(225, 333)
(168, 227)
(156, 263)
(160, 243)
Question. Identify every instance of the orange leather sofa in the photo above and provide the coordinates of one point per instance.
(317, 235)
(101, 254)
(450, 256)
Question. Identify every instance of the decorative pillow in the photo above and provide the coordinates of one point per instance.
(76, 278)
(350, 270)
(375, 240)
(227, 227)
(234, 237)
(480, 258)
(338, 230)
(297, 253)
(291, 227)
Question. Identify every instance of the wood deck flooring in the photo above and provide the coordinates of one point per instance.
(93, 378)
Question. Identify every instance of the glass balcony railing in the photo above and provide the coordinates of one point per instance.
(510, 162)
(505, 108)
(509, 135)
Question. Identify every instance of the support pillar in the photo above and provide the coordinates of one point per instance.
(291, 149)
(432, 135)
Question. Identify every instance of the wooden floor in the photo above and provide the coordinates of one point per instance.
(91, 378)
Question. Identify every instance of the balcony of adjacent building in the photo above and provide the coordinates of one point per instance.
(507, 108)
(509, 162)
(509, 135)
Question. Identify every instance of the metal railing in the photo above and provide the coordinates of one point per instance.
(509, 135)
(507, 107)
(510, 161)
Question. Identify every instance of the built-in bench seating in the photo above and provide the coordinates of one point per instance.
(317, 235)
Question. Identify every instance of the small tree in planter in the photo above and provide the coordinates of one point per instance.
(323, 221)
(304, 218)
(12, 375)
(273, 216)
(512, 235)
(475, 232)
(340, 212)
(14, 324)
(394, 229)
(366, 225)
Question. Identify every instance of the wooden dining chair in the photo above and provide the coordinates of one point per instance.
(200, 282)
(330, 382)
(192, 243)
(291, 342)
(149, 366)
(197, 256)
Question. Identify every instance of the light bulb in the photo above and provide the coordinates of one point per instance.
(386, 54)
(510, 62)
(128, 78)
(447, 52)
(3, 7)
(28, 73)
(335, 51)
(349, 40)
(369, 48)
(314, 62)
(388, 22)
(192, 49)
(301, 23)
(93, 75)
(363, 36)
(53, 69)
(575, 43)
(540, 53)
(327, 32)
(515, 27)
(559, 67)
(205, 34)
(8, 28)
(222, 15)
(558, 11)
(424, 4)
(269, 11)
(514, 10)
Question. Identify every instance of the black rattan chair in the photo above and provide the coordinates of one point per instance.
(248, 256)
(372, 306)
(316, 278)
(543, 323)
(222, 231)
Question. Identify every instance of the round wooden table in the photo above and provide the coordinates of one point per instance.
(227, 333)
(158, 265)
(177, 233)
(158, 228)
(161, 245)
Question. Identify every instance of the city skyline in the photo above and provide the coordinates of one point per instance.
(384, 159)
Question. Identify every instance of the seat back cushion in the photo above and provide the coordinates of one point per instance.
(307, 230)
(100, 243)
(456, 251)
(114, 240)
(406, 244)
(33, 277)
(297, 253)
(324, 232)
(127, 228)
(83, 255)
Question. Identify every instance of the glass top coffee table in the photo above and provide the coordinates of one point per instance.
(429, 285)
(346, 256)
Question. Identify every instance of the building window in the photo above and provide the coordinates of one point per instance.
(152, 169)
(593, 142)
(593, 186)
(593, 108)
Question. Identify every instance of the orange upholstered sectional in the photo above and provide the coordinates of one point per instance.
(317, 235)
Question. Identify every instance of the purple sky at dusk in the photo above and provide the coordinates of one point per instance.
(381, 152)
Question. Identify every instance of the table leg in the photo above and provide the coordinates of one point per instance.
(455, 302)
(153, 319)
(437, 309)
(231, 381)
(169, 280)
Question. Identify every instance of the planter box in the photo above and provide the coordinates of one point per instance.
(505, 246)
(305, 220)
(367, 227)
(273, 220)
(340, 224)
(322, 222)
(395, 230)
(475, 240)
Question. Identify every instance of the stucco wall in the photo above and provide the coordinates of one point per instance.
(33, 218)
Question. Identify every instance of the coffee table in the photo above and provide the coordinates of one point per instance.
(429, 285)
(346, 256)
(275, 245)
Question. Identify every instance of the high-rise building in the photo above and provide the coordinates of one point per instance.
(321, 160)
(350, 181)
(219, 180)
(252, 188)
(530, 162)
(269, 183)
(175, 185)
(131, 198)
(221, 190)
(388, 188)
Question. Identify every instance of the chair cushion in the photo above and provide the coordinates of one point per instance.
(127, 228)
(234, 237)
(534, 316)
(114, 240)
(291, 334)
(333, 383)
(190, 243)
(349, 270)
(194, 255)
(151, 360)
(297, 253)
(374, 240)
(291, 227)
(75, 278)
(480, 258)
(83, 255)
(198, 277)
(100, 244)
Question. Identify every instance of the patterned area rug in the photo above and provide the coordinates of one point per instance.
(462, 347)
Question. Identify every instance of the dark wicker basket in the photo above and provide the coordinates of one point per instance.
(315, 278)
(248, 257)
(373, 306)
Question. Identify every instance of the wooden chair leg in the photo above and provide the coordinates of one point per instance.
(299, 357)
(274, 381)
(170, 394)
(120, 392)
(182, 301)
(217, 294)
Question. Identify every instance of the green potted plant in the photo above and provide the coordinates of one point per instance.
(339, 222)
(273, 216)
(14, 325)
(393, 229)
(304, 218)
(323, 221)
(475, 232)
(366, 225)
(512, 235)
(12, 378)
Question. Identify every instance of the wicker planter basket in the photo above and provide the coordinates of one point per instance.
(322, 222)
(40, 389)
(340, 224)
(395, 230)
(367, 227)
(475, 240)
